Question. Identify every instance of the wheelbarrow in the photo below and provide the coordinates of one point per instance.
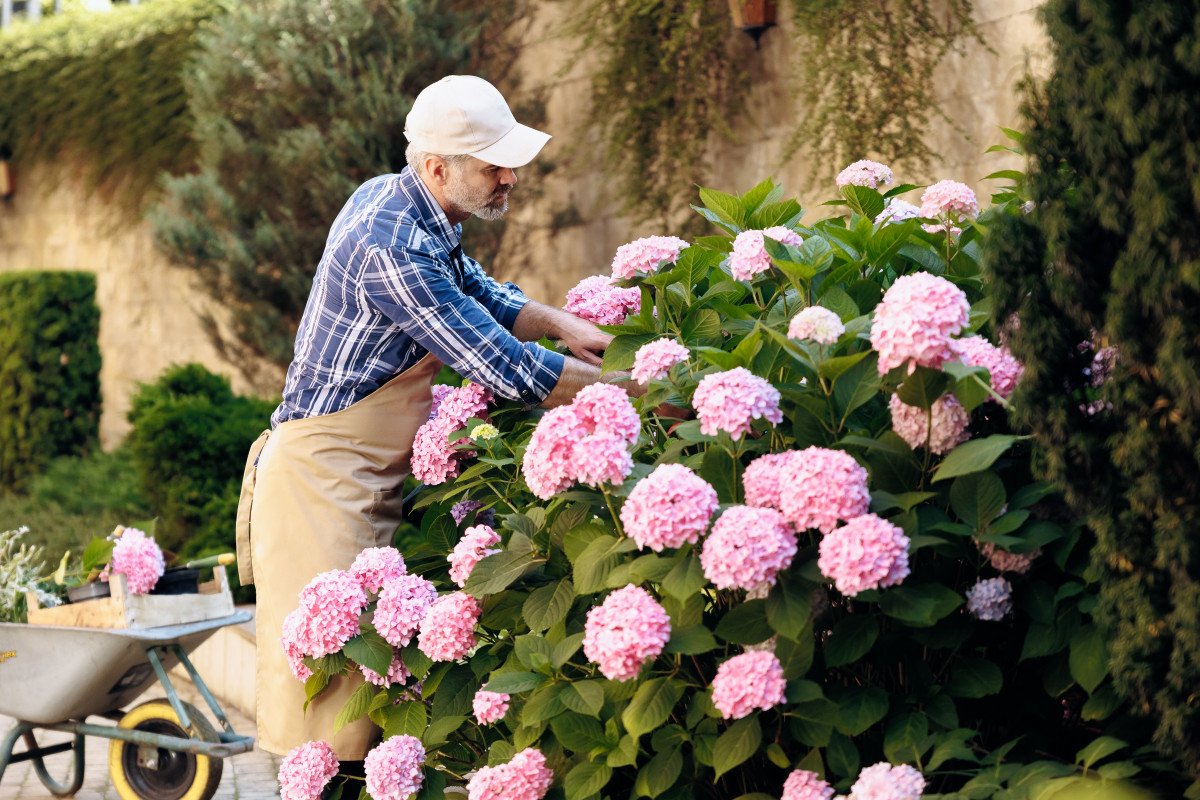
(54, 677)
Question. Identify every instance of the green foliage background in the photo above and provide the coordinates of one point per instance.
(1110, 254)
(49, 370)
(105, 88)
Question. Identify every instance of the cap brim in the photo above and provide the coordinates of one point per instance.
(514, 149)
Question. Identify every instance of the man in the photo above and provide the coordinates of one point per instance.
(393, 299)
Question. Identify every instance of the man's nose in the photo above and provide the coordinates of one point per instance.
(508, 176)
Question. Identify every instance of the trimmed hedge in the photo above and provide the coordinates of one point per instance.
(104, 86)
(49, 370)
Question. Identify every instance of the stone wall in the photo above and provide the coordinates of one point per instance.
(152, 313)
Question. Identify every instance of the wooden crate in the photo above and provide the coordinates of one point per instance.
(125, 610)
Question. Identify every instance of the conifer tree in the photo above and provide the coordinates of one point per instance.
(1109, 256)
(297, 103)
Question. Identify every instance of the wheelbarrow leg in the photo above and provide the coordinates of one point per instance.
(34, 753)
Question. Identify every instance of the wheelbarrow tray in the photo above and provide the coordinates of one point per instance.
(51, 674)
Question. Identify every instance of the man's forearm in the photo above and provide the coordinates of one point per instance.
(536, 320)
(575, 375)
(585, 340)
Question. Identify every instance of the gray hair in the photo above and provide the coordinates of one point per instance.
(416, 159)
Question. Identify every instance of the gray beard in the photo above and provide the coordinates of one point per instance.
(467, 202)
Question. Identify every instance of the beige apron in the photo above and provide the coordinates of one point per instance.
(324, 488)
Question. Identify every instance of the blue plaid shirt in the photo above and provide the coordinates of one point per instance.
(393, 285)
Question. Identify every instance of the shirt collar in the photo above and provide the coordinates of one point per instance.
(431, 212)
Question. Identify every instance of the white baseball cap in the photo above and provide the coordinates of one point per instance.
(463, 114)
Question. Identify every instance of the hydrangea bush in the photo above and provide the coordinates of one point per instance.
(808, 561)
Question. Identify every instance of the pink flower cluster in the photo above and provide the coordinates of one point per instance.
(897, 210)
(138, 557)
(327, 617)
(999, 362)
(489, 707)
(644, 255)
(448, 627)
(586, 441)
(624, 632)
(804, 785)
(990, 599)
(750, 257)
(1004, 561)
(473, 546)
(916, 321)
(669, 507)
(653, 359)
(439, 391)
(434, 459)
(375, 565)
(816, 323)
(397, 672)
(746, 682)
(948, 431)
(882, 781)
(761, 480)
(747, 548)
(394, 768)
(865, 553)
(525, 777)
(820, 486)
(865, 173)
(729, 401)
(597, 299)
(948, 201)
(402, 604)
(305, 771)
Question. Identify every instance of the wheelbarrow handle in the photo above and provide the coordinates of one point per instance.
(224, 560)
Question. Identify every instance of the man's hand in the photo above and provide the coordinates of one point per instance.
(584, 339)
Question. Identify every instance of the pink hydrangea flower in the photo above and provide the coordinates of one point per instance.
(448, 627)
(990, 599)
(669, 507)
(749, 256)
(374, 565)
(394, 768)
(866, 553)
(949, 429)
(897, 210)
(138, 557)
(585, 441)
(747, 548)
(816, 323)
(817, 487)
(597, 299)
(917, 320)
(331, 605)
(653, 359)
(948, 201)
(746, 682)
(1004, 561)
(626, 630)
(999, 362)
(397, 672)
(440, 392)
(804, 785)
(644, 255)
(473, 546)
(435, 459)
(525, 777)
(305, 771)
(489, 707)
(784, 235)
(865, 173)
(761, 480)
(729, 401)
(402, 604)
(882, 781)
(294, 641)
(469, 400)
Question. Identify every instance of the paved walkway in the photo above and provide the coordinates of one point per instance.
(248, 776)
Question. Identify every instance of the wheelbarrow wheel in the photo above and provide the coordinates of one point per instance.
(173, 774)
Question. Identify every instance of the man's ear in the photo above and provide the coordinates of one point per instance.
(437, 169)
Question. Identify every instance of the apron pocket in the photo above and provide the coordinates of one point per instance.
(387, 512)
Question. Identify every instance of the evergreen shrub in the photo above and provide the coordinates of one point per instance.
(49, 370)
(864, 583)
(189, 442)
(104, 87)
